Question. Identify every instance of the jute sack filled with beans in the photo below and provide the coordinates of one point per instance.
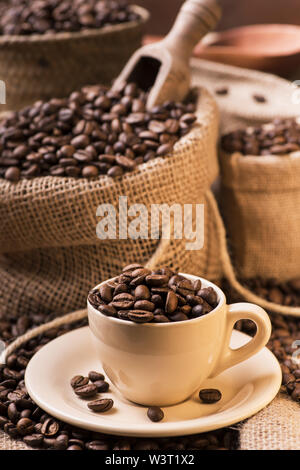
(50, 254)
(261, 199)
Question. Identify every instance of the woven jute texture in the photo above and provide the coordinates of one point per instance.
(260, 201)
(276, 427)
(53, 65)
(48, 240)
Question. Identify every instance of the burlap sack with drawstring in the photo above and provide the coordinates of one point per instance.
(260, 200)
(50, 256)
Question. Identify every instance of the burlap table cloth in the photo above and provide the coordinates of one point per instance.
(278, 425)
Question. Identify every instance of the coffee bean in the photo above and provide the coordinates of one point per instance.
(101, 405)
(160, 319)
(209, 396)
(222, 91)
(197, 311)
(12, 413)
(144, 305)
(97, 445)
(209, 294)
(86, 391)
(155, 414)
(79, 381)
(12, 174)
(178, 316)
(101, 385)
(107, 310)
(156, 280)
(50, 426)
(33, 440)
(142, 293)
(259, 98)
(94, 376)
(171, 302)
(25, 426)
(140, 316)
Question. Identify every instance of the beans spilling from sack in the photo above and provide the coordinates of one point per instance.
(21, 17)
(161, 296)
(95, 131)
(280, 137)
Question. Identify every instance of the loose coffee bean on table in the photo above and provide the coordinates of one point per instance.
(158, 296)
(210, 395)
(280, 137)
(93, 132)
(155, 414)
(21, 17)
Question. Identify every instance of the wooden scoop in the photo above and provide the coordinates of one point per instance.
(163, 68)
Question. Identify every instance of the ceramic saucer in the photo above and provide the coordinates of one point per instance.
(246, 388)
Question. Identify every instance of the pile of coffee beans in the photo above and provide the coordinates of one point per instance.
(282, 293)
(89, 387)
(23, 17)
(95, 131)
(280, 137)
(141, 295)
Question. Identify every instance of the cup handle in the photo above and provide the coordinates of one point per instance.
(243, 311)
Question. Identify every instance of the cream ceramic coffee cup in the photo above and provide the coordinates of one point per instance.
(163, 364)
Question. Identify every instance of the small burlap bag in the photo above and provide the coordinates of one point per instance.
(260, 200)
(44, 66)
(50, 255)
(239, 109)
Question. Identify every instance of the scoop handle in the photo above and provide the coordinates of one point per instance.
(195, 19)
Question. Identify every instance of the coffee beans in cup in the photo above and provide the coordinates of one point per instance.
(142, 295)
(95, 131)
(21, 17)
(280, 137)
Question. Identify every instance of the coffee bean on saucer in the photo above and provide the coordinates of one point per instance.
(101, 385)
(210, 395)
(79, 381)
(86, 391)
(155, 414)
(102, 405)
(259, 98)
(222, 91)
(94, 376)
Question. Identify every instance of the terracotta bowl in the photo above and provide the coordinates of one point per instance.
(270, 47)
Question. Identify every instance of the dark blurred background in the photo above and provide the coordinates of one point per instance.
(235, 13)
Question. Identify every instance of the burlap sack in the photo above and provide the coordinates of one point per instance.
(50, 255)
(43, 66)
(260, 200)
